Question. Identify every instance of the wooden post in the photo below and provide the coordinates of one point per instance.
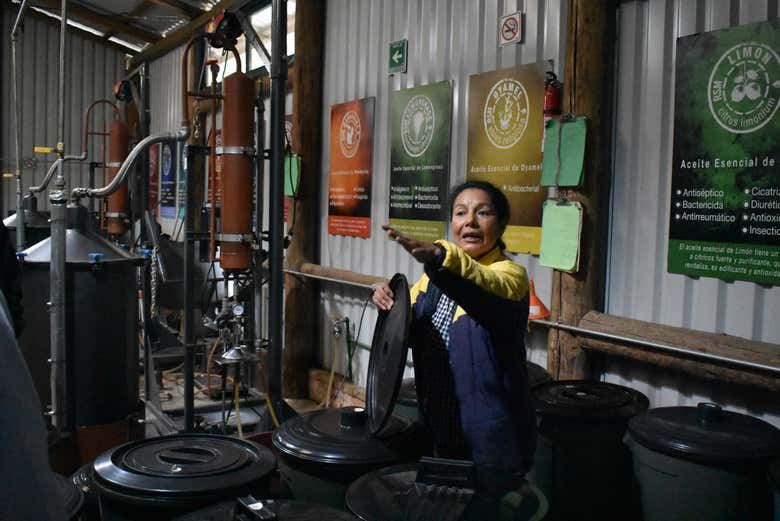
(301, 335)
(587, 92)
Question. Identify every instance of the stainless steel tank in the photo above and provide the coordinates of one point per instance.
(101, 324)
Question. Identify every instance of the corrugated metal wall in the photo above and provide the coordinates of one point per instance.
(448, 40)
(165, 103)
(92, 68)
(639, 286)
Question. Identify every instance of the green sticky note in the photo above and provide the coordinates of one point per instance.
(292, 174)
(564, 152)
(561, 229)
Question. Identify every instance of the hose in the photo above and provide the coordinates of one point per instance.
(238, 408)
(326, 402)
(268, 403)
(208, 365)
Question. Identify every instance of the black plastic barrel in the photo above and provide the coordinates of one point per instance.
(537, 375)
(581, 463)
(161, 478)
(702, 463)
(322, 452)
(82, 478)
(72, 496)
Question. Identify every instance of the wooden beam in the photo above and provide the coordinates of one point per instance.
(100, 21)
(137, 11)
(52, 22)
(587, 83)
(698, 341)
(301, 335)
(180, 36)
(180, 7)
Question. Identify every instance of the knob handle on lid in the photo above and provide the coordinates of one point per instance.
(709, 412)
(352, 417)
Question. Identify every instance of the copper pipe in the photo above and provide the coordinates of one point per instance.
(117, 202)
(185, 116)
(86, 132)
(236, 181)
(213, 169)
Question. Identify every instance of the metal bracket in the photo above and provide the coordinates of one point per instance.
(235, 237)
(234, 151)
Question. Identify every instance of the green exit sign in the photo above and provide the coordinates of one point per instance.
(398, 56)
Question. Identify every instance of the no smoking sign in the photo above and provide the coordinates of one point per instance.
(510, 29)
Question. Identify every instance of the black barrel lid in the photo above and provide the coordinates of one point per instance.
(71, 495)
(337, 436)
(585, 399)
(537, 374)
(283, 510)
(181, 467)
(706, 433)
(388, 356)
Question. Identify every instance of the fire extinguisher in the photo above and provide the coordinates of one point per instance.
(552, 101)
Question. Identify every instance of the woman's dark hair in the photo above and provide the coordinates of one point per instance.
(497, 199)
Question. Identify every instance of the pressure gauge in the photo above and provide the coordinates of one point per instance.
(238, 310)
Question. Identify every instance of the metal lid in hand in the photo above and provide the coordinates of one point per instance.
(388, 356)
(707, 434)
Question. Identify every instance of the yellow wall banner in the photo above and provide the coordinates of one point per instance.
(504, 142)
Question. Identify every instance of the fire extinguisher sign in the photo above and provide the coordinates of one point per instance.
(510, 29)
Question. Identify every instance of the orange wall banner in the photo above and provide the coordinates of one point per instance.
(349, 192)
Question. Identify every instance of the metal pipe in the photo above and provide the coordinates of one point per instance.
(53, 169)
(330, 279)
(61, 90)
(189, 284)
(276, 208)
(656, 345)
(185, 117)
(57, 274)
(142, 145)
(214, 69)
(20, 231)
(85, 130)
(257, 292)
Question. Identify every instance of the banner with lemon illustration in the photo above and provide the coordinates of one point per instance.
(724, 218)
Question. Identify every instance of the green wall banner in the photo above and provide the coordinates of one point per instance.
(420, 159)
(724, 218)
(504, 144)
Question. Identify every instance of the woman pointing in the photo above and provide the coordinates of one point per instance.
(470, 314)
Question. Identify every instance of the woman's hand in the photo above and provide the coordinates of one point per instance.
(423, 252)
(383, 297)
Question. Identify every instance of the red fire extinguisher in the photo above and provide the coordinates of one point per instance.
(552, 101)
